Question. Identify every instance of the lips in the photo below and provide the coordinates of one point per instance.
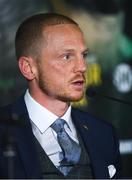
(79, 84)
(79, 81)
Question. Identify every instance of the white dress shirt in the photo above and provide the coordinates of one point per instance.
(41, 120)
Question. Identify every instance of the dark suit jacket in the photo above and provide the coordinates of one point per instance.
(15, 129)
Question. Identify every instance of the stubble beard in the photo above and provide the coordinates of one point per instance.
(57, 93)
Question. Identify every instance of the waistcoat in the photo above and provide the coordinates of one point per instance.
(80, 171)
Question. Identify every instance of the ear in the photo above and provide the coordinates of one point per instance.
(26, 67)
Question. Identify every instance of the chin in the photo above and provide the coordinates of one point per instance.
(76, 98)
(71, 98)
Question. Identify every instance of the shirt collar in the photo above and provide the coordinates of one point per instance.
(42, 117)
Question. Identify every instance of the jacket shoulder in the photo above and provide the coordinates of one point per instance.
(91, 119)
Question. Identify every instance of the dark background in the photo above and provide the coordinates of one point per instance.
(107, 26)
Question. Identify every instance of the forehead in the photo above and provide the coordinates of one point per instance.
(60, 27)
(63, 33)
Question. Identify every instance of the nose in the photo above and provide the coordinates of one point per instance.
(80, 65)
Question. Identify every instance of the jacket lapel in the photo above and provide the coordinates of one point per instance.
(92, 144)
(25, 141)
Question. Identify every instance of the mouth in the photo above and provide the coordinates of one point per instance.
(78, 84)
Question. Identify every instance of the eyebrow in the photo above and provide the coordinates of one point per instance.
(86, 50)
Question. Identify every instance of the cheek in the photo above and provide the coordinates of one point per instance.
(58, 72)
(54, 77)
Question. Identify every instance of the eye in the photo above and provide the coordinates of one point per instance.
(67, 56)
(85, 55)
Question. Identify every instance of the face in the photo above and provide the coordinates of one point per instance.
(62, 65)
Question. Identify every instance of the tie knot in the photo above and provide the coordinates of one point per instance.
(58, 125)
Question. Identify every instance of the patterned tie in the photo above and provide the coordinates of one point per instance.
(70, 149)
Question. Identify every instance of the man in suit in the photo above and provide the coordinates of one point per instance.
(51, 54)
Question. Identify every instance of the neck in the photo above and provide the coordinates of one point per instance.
(54, 105)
